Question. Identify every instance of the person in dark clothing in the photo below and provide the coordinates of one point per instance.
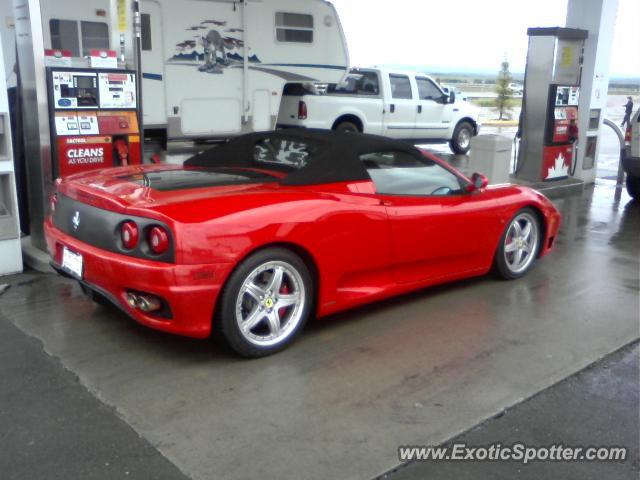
(628, 109)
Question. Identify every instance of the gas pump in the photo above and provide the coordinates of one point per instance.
(561, 132)
(93, 119)
(548, 128)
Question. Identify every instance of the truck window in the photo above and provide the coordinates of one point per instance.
(294, 27)
(145, 32)
(64, 36)
(400, 86)
(427, 89)
(297, 90)
(95, 36)
(357, 83)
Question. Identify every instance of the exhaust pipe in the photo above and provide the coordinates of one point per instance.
(148, 303)
(132, 300)
(144, 302)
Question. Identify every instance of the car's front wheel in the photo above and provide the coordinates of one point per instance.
(519, 245)
(461, 141)
(266, 302)
(633, 186)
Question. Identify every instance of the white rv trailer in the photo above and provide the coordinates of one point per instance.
(211, 68)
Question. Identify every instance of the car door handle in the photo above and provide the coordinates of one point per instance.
(419, 108)
(392, 108)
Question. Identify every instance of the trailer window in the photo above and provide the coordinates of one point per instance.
(294, 27)
(400, 86)
(145, 31)
(64, 36)
(95, 36)
(78, 39)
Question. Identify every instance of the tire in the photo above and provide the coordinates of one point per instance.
(347, 127)
(514, 242)
(633, 187)
(249, 296)
(461, 140)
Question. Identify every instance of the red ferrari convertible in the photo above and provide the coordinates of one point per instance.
(255, 236)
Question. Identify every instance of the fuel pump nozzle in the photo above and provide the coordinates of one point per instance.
(122, 151)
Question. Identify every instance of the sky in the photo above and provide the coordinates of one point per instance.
(467, 35)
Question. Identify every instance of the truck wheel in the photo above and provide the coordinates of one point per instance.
(347, 127)
(461, 140)
(633, 186)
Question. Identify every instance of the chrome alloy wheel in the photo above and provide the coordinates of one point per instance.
(270, 303)
(521, 242)
(464, 138)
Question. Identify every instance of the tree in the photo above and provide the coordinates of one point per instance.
(503, 90)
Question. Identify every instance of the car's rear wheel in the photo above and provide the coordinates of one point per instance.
(347, 127)
(633, 186)
(461, 141)
(266, 302)
(519, 245)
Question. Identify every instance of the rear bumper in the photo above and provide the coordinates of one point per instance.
(190, 291)
(552, 227)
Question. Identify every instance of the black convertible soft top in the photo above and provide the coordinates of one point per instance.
(329, 156)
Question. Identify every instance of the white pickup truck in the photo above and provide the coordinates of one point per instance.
(398, 104)
(631, 157)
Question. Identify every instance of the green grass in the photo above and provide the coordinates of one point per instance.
(491, 102)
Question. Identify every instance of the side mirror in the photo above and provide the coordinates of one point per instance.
(478, 182)
(452, 97)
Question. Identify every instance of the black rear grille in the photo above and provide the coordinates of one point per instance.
(101, 228)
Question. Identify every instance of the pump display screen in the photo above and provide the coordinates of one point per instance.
(567, 96)
(74, 90)
(90, 89)
(85, 82)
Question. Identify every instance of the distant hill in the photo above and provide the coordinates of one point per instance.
(462, 75)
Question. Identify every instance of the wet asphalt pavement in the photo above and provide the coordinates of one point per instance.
(52, 427)
(87, 393)
(596, 407)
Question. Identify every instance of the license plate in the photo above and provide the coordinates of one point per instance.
(72, 262)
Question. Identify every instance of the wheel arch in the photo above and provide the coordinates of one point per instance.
(543, 224)
(349, 117)
(470, 120)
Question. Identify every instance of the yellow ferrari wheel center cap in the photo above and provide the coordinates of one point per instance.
(268, 302)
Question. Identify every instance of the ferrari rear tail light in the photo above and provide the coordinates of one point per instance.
(302, 110)
(129, 234)
(627, 136)
(158, 240)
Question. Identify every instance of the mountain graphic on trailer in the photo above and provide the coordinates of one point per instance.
(199, 57)
(213, 51)
(192, 57)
